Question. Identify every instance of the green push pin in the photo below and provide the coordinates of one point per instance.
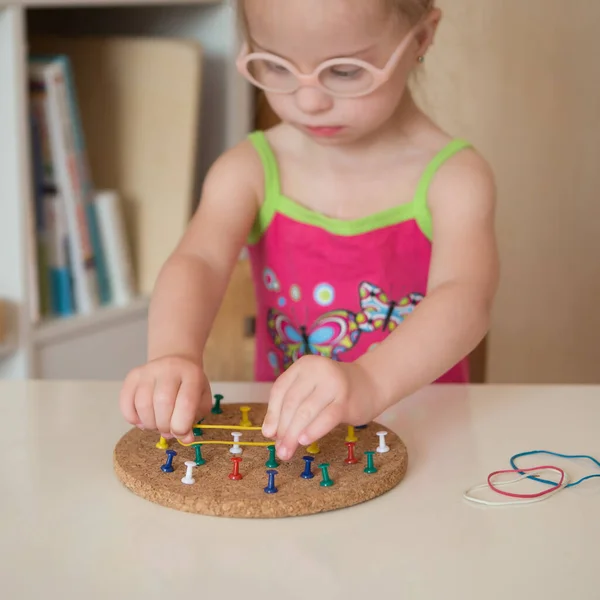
(216, 409)
(272, 462)
(370, 468)
(327, 481)
(199, 459)
(197, 431)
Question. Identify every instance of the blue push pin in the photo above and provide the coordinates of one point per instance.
(361, 427)
(271, 489)
(168, 466)
(307, 473)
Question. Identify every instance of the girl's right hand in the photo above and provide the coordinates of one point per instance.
(168, 395)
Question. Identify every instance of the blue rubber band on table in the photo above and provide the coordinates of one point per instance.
(568, 456)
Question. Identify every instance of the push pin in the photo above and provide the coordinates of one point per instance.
(187, 478)
(313, 448)
(351, 460)
(162, 444)
(236, 448)
(359, 427)
(235, 475)
(168, 466)
(245, 422)
(199, 459)
(351, 437)
(383, 447)
(370, 468)
(271, 489)
(197, 430)
(307, 473)
(216, 409)
(326, 481)
(272, 462)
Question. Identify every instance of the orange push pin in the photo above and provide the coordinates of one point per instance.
(351, 437)
(313, 448)
(162, 444)
(245, 422)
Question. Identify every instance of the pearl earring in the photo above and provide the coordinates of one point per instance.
(421, 59)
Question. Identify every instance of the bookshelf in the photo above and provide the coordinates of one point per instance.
(108, 342)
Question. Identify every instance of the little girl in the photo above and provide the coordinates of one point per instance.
(370, 231)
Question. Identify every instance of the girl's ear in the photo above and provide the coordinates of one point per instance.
(427, 31)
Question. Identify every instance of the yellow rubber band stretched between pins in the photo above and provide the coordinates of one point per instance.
(237, 428)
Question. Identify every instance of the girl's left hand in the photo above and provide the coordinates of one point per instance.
(312, 397)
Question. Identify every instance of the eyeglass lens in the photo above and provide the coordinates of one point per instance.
(340, 78)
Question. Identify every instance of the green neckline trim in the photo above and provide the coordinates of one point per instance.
(276, 202)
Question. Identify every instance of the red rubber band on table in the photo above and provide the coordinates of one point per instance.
(513, 495)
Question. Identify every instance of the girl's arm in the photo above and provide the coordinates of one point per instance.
(171, 392)
(316, 394)
(455, 314)
(193, 281)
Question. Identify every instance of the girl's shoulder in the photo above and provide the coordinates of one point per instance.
(464, 168)
(241, 163)
(463, 179)
(246, 158)
(456, 161)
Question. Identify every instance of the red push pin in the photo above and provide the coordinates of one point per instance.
(235, 475)
(351, 460)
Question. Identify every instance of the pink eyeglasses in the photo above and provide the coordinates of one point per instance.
(340, 77)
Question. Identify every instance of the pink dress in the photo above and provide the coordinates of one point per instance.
(332, 287)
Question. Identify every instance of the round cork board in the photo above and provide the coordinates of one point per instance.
(137, 464)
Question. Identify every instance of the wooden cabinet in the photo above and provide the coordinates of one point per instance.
(229, 353)
(520, 80)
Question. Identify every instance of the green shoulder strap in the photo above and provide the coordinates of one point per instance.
(422, 212)
(272, 184)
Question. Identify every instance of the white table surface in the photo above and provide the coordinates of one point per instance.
(69, 529)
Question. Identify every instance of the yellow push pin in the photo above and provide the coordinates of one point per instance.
(313, 448)
(351, 437)
(245, 422)
(162, 444)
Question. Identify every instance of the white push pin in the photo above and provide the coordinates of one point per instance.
(383, 447)
(236, 448)
(190, 464)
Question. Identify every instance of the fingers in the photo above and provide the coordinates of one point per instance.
(168, 396)
(330, 418)
(165, 394)
(144, 404)
(312, 409)
(295, 396)
(278, 392)
(186, 410)
(127, 398)
(205, 402)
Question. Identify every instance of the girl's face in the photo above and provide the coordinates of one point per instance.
(308, 32)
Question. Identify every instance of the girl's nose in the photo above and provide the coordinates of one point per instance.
(313, 101)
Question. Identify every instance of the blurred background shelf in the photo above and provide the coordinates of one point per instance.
(7, 349)
(124, 153)
(107, 3)
(56, 330)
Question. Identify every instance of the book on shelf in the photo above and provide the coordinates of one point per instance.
(69, 273)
